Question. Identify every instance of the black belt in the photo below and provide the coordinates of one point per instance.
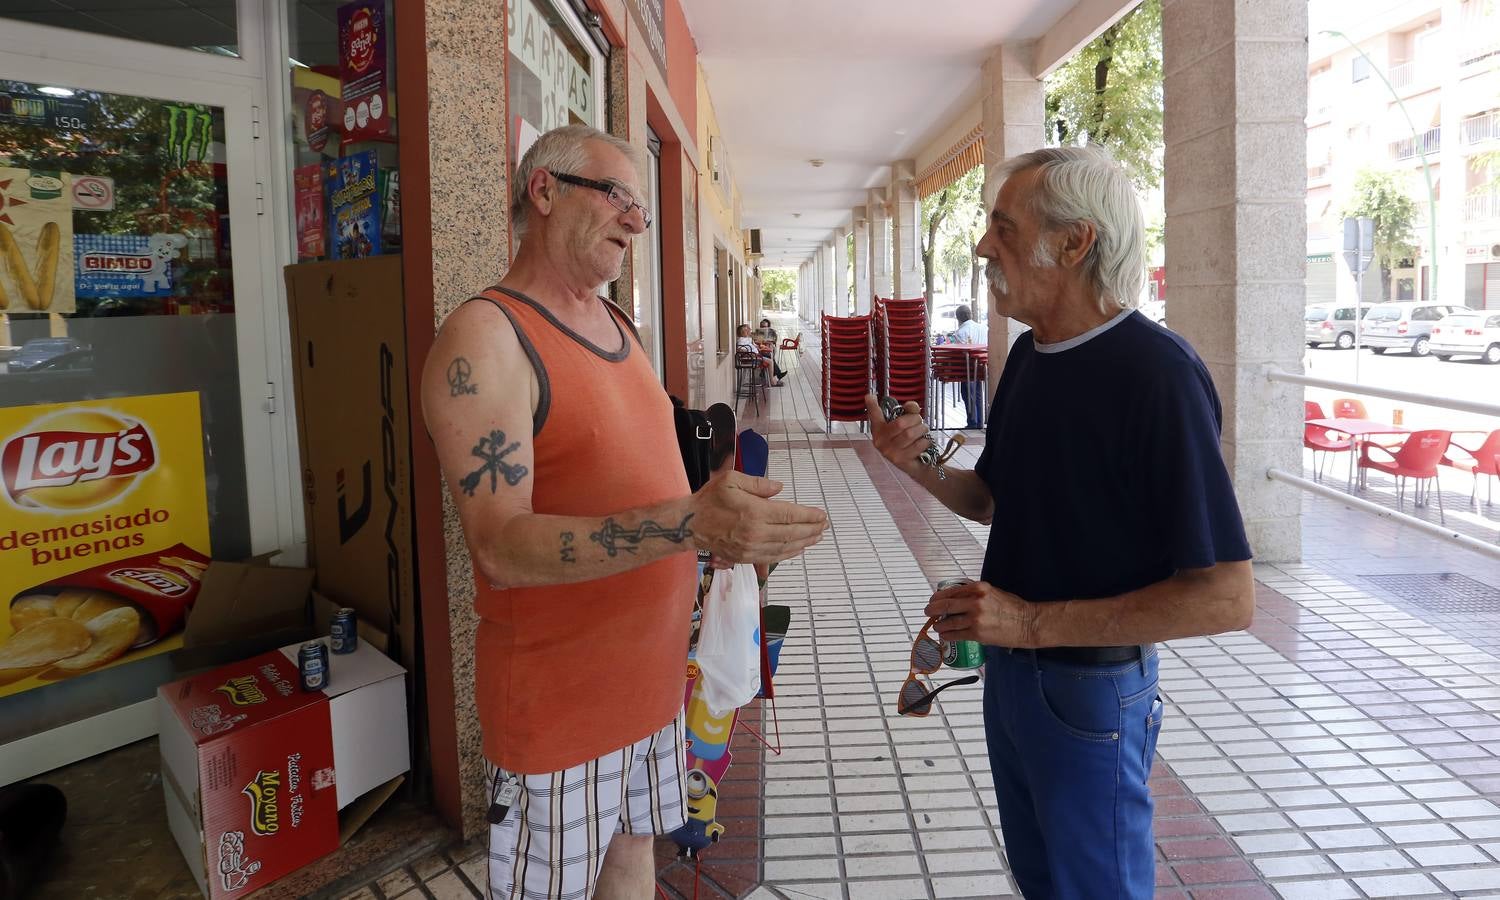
(1091, 656)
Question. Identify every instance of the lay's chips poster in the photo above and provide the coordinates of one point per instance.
(103, 533)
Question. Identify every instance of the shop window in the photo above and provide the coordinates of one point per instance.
(118, 280)
(208, 26)
(346, 183)
(555, 78)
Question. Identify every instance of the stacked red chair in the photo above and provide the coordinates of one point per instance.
(846, 367)
(902, 353)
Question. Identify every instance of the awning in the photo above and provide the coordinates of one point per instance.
(951, 166)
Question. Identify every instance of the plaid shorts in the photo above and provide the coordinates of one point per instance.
(552, 842)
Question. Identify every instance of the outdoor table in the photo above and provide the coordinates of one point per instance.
(1359, 430)
(972, 355)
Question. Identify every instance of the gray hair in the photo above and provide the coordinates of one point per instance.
(1085, 184)
(563, 150)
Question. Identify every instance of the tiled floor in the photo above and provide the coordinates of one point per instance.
(1348, 745)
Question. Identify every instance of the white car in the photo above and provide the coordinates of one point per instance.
(1472, 333)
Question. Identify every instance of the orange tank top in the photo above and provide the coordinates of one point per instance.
(567, 673)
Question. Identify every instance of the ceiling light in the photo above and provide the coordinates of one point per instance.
(816, 163)
(55, 91)
(901, 131)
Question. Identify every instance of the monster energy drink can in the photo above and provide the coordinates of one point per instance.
(960, 654)
(312, 661)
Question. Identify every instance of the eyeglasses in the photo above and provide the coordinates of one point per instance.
(916, 696)
(617, 196)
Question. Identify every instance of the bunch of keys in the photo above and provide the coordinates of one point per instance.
(930, 457)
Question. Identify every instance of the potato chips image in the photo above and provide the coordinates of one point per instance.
(44, 643)
(104, 538)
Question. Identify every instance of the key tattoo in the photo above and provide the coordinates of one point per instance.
(492, 450)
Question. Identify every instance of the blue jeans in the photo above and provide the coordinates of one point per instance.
(1071, 749)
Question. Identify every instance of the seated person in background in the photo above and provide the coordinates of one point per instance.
(744, 343)
(766, 334)
(971, 332)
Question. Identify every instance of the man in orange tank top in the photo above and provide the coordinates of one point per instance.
(558, 445)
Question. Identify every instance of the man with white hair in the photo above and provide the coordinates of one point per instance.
(549, 424)
(1113, 526)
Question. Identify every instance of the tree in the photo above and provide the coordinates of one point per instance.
(1381, 196)
(951, 214)
(775, 284)
(1110, 94)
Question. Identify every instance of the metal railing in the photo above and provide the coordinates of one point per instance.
(1482, 207)
(1401, 76)
(1477, 129)
(1427, 142)
(1439, 531)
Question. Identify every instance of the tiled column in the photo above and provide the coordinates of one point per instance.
(861, 261)
(1453, 173)
(1236, 183)
(880, 245)
(906, 245)
(1012, 111)
(841, 271)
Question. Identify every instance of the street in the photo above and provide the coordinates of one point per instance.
(1464, 378)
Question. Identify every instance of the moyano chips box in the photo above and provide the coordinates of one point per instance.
(103, 533)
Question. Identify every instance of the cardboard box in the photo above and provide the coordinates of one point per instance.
(256, 771)
(353, 420)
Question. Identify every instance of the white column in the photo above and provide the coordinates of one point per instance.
(1012, 111)
(1236, 187)
(830, 300)
(880, 245)
(841, 270)
(1454, 170)
(906, 245)
(861, 261)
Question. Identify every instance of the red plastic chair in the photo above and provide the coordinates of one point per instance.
(1417, 458)
(1348, 408)
(1320, 440)
(1483, 460)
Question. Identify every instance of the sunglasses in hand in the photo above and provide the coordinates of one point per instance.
(917, 694)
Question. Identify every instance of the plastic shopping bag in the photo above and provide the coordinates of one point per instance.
(729, 642)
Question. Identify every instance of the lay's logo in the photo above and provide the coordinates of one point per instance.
(242, 691)
(168, 584)
(264, 791)
(75, 460)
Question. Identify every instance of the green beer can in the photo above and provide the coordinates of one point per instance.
(960, 654)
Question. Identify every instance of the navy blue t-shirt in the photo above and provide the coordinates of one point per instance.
(1103, 459)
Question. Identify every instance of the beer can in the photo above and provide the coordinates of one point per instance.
(343, 635)
(312, 663)
(960, 654)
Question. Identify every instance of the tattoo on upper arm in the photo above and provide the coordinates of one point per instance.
(459, 373)
(493, 450)
(568, 552)
(616, 538)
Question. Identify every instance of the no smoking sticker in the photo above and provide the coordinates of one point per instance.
(93, 193)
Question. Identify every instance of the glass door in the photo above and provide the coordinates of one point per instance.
(138, 435)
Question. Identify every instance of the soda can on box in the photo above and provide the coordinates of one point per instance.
(960, 654)
(343, 632)
(312, 664)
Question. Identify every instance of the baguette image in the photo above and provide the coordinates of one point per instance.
(46, 264)
(16, 263)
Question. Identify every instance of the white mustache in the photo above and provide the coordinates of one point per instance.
(996, 278)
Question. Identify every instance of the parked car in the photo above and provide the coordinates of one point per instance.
(1470, 332)
(37, 351)
(1403, 326)
(1326, 324)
